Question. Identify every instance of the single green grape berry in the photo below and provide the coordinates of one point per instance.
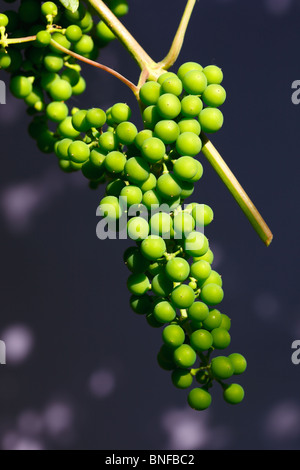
(115, 186)
(5, 59)
(103, 33)
(200, 270)
(196, 244)
(194, 82)
(165, 357)
(62, 41)
(211, 120)
(213, 320)
(80, 122)
(188, 144)
(151, 117)
(150, 92)
(191, 106)
(226, 322)
(136, 170)
(92, 172)
(141, 137)
(182, 378)
(120, 112)
(3, 20)
(161, 285)
(183, 296)
(151, 199)
(84, 46)
(173, 336)
(167, 131)
(183, 224)
(73, 33)
(165, 76)
(234, 394)
(62, 148)
(96, 117)
(209, 257)
(20, 87)
(80, 87)
(57, 111)
(119, 7)
(108, 141)
(212, 294)
(203, 215)
(185, 168)
(153, 247)
(60, 90)
(185, 356)
(53, 62)
(153, 150)
(187, 67)
(239, 363)
(137, 228)
(43, 38)
(133, 194)
(168, 186)
(172, 85)
(214, 278)
(138, 284)
(115, 162)
(199, 399)
(49, 8)
(140, 304)
(160, 223)
(66, 129)
(221, 338)
(198, 311)
(149, 184)
(222, 367)
(177, 269)
(164, 312)
(47, 79)
(213, 74)
(201, 340)
(79, 152)
(126, 132)
(214, 96)
(168, 106)
(189, 125)
(134, 260)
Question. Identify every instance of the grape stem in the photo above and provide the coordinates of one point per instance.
(239, 194)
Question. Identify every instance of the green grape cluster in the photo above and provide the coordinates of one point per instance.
(46, 78)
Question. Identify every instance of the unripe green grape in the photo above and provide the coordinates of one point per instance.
(66, 129)
(165, 76)
(153, 247)
(160, 224)
(126, 132)
(185, 168)
(239, 363)
(108, 141)
(201, 340)
(165, 357)
(134, 260)
(196, 244)
(62, 41)
(199, 173)
(213, 74)
(84, 46)
(92, 172)
(213, 320)
(200, 270)
(141, 137)
(20, 87)
(133, 194)
(189, 125)
(149, 184)
(185, 356)
(46, 141)
(115, 162)
(140, 304)
(47, 79)
(103, 33)
(198, 312)
(167, 131)
(168, 106)
(3, 20)
(49, 8)
(62, 148)
(151, 320)
(183, 224)
(73, 33)
(209, 257)
(182, 378)
(188, 144)
(60, 90)
(151, 199)
(168, 187)
(212, 294)
(199, 399)
(183, 296)
(221, 338)
(53, 62)
(234, 394)
(172, 85)
(153, 150)
(191, 106)
(203, 215)
(120, 112)
(86, 23)
(161, 285)
(96, 117)
(214, 278)
(187, 189)
(138, 284)
(43, 38)
(164, 312)
(136, 170)
(5, 60)
(214, 96)
(57, 111)
(110, 207)
(151, 117)
(226, 322)
(80, 87)
(97, 158)
(187, 67)
(137, 228)
(16, 60)
(211, 120)
(115, 186)
(177, 269)
(79, 152)
(222, 367)
(150, 92)
(194, 82)
(65, 166)
(119, 7)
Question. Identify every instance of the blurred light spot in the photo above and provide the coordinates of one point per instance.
(19, 342)
(188, 429)
(283, 421)
(30, 423)
(266, 305)
(219, 254)
(14, 441)
(102, 383)
(58, 418)
(278, 7)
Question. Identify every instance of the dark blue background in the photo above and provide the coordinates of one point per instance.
(65, 290)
